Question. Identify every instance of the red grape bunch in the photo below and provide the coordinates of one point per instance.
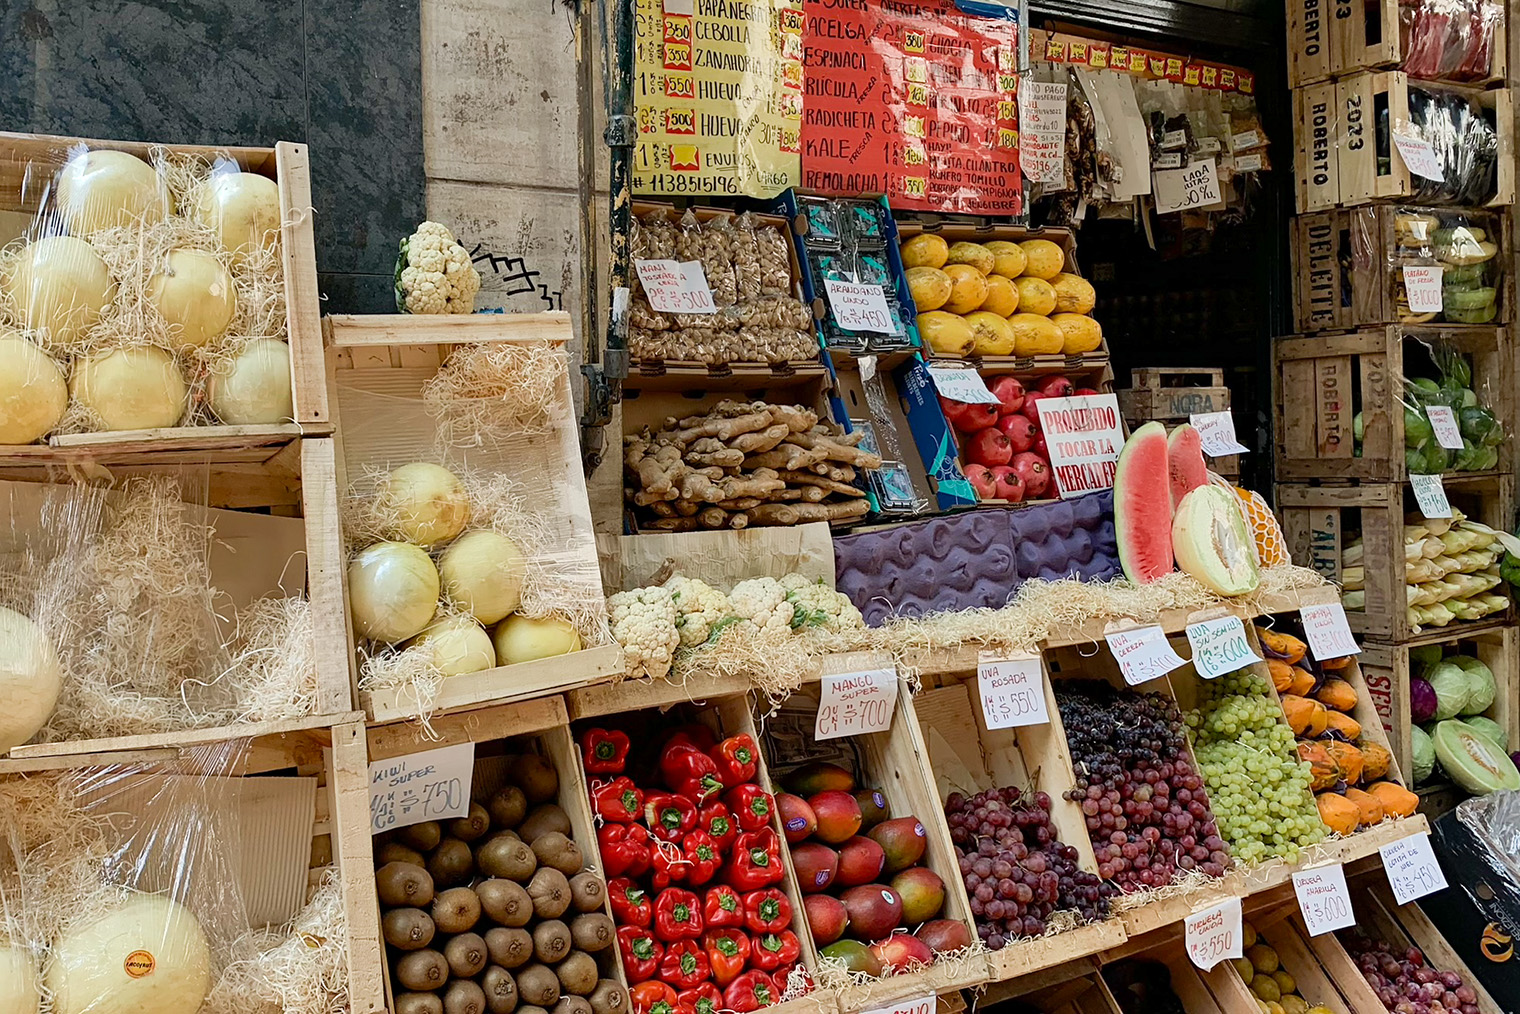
(1406, 985)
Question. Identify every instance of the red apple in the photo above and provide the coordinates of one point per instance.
(1019, 430)
(989, 447)
(1010, 484)
(1057, 387)
(981, 480)
(1035, 471)
(1028, 408)
(1009, 393)
(1081, 391)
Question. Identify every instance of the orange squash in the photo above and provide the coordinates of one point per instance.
(1323, 772)
(1303, 682)
(1348, 758)
(1337, 694)
(1370, 806)
(1397, 801)
(1375, 761)
(1290, 648)
(1343, 724)
(1282, 675)
(1340, 814)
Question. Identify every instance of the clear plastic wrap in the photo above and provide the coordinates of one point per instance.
(1460, 250)
(1462, 136)
(1449, 40)
(1452, 386)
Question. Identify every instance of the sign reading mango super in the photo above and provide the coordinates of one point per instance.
(718, 94)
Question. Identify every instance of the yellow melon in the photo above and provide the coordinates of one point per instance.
(946, 334)
(1074, 294)
(991, 334)
(925, 250)
(1082, 333)
(1034, 335)
(1271, 546)
(968, 288)
(1045, 259)
(974, 254)
(1035, 295)
(930, 287)
(1002, 297)
(1009, 260)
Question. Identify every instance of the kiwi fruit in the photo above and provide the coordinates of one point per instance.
(551, 941)
(451, 863)
(464, 997)
(609, 997)
(507, 807)
(587, 892)
(571, 1005)
(395, 852)
(403, 884)
(557, 850)
(466, 955)
(500, 989)
(536, 777)
(456, 910)
(550, 892)
(422, 836)
(592, 931)
(504, 856)
(472, 826)
(529, 1008)
(419, 1003)
(505, 902)
(538, 985)
(422, 970)
(407, 929)
(577, 973)
(541, 820)
(509, 948)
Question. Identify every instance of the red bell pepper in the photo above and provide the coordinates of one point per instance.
(727, 951)
(772, 950)
(702, 858)
(692, 734)
(704, 998)
(625, 849)
(737, 759)
(653, 997)
(684, 965)
(722, 907)
(767, 912)
(781, 975)
(630, 903)
(750, 992)
(641, 954)
(689, 772)
(755, 862)
(677, 915)
(604, 751)
(669, 864)
(618, 800)
(669, 816)
(752, 806)
(715, 819)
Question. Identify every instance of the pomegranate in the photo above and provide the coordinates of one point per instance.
(1035, 471)
(1009, 393)
(980, 477)
(1010, 484)
(1020, 431)
(1028, 408)
(1057, 387)
(989, 447)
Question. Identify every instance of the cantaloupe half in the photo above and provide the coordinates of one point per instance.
(1211, 542)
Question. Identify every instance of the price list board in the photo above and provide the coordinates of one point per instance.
(918, 103)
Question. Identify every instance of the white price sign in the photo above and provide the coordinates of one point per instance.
(1219, 646)
(1245, 139)
(1422, 287)
(1143, 654)
(1084, 437)
(1216, 431)
(1214, 934)
(675, 286)
(1012, 690)
(431, 785)
(1042, 131)
(1192, 186)
(858, 306)
(1412, 868)
(1323, 899)
(1327, 632)
(1419, 157)
(961, 383)
(921, 1005)
(1430, 495)
(1444, 421)
(855, 703)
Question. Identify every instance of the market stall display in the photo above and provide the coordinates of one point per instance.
(856, 241)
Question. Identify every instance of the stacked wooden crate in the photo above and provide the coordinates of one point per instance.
(1172, 396)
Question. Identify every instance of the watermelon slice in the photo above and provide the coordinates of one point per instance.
(1143, 506)
(1213, 544)
(1184, 462)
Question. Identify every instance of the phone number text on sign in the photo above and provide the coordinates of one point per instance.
(856, 703)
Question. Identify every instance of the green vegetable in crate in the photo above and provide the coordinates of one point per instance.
(1480, 426)
(1417, 429)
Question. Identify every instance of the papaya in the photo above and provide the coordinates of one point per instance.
(1081, 334)
(1044, 259)
(1074, 294)
(946, 334)
(1009, 259)
(1282, 675)
(991, 335)
(1303, 682)
(1340, 814)
(1369, 805)
(1376, 761)
(973, 254)
(1339, 721)
(930, 287)
(1035, 295)
(1002, 298)
(1034, 335)
(1323, 774)
(1305, 717)
(968, 288)
(1284, 646)
(1337, 664)
(1348, 758)
(1337, 694)
(926, 250)
(1397, 801)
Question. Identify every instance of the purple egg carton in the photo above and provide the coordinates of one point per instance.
(976, 558)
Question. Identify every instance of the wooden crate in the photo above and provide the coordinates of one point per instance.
(1371, 37)
(1376, 260)
(1325, 974)
(1084, 993)
(1188, 983)
(1387, 669)
(26, 160)
(1323, 382)
(1172, 395)
(1316, 159)
(1319, 521)
(1312, 51)
(1321, 253)
(1371, 168)
(377, 365)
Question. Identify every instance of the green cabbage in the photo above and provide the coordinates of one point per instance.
(1449, 681)
(1488, 727)
(1425, 655)
(1423, 752)
(1480, 684)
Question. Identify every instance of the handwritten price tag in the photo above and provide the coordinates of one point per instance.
(1430, 495)
(1214, 934)
(1419, 157)
(1444, 421)
(1323, 899)
(1192, 186)
(860, 307)
(1412, 868)
(921, 1005)
(1216, 431)
(961, 383)
(1327, 632)
(1143, 654)
(1012, 690)
(675, 286)
(1422, 287)
(856, 703)
(1219, 646)
(431, 785)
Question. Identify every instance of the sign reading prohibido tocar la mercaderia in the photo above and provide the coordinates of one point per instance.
(916, 101)
(718, 91)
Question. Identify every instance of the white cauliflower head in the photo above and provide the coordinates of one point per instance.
(434, 273)
(644, 623)
(815, 604)
(762, 601)
(699, 607)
